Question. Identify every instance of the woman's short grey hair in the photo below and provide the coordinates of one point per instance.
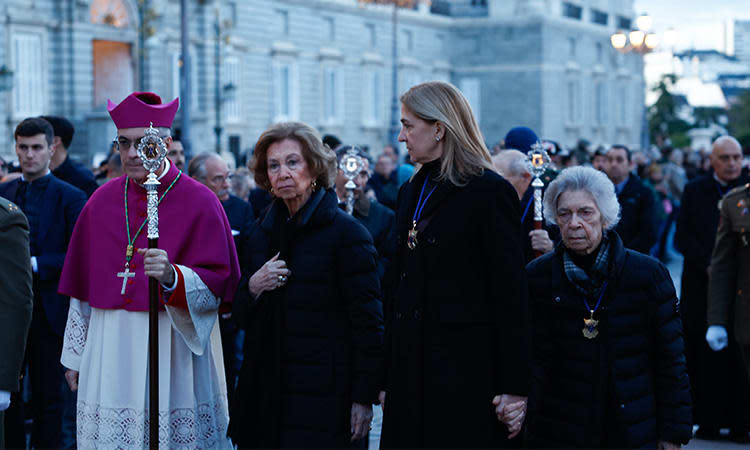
(589, 180)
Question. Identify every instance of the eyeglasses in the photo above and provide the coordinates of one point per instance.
(125, 143)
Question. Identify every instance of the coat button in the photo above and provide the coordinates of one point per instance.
(622, 406)
(557, 299)
(403, 275)
(417, 314)
(399, 315)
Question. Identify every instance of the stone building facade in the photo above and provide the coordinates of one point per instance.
(546, 64)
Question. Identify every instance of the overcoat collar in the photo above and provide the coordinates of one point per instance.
(414, 188)
(319, 210)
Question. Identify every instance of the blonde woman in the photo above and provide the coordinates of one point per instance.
(457, 315)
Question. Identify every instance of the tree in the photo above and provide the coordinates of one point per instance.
(663, 120)
(739, 119)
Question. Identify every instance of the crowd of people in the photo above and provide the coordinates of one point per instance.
(474, 318)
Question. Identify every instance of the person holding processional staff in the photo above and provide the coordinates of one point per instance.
(106, 274)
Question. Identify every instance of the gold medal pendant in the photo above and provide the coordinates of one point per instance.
(411, 239)
(589, 328)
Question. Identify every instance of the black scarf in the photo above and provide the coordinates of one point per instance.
(589, 281)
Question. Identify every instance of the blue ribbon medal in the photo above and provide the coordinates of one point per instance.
(589, 325)
(411, 240)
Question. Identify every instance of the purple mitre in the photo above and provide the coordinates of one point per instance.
(141, 109)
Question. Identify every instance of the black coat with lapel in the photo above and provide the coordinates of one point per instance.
(637, 227)
(694, 238)
(457, 315)
(59, 211)
(720, 391)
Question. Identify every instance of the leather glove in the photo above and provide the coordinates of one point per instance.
(4, 400)
(717, 338)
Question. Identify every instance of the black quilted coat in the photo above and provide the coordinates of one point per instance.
(313, 346)
(626, 388)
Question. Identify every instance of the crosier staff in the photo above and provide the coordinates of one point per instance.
(152, 150)
(538, 161)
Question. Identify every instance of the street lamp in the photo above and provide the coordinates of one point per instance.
(640, 40)
(6, 79)
(394, 128)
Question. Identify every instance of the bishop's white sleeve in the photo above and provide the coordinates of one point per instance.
(76, 331)
(195, 323)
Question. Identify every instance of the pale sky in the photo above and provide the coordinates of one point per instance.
(698, 24)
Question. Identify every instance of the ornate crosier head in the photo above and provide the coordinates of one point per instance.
(351, 164)
(151, 149)
(538, 160)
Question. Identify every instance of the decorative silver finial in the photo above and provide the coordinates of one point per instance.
(351, 164)
(151, 149)
(538, 160)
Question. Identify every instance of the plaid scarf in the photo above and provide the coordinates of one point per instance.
(589, 284)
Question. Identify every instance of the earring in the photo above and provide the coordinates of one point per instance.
(272, 191)
(437, 138)
(314, 184)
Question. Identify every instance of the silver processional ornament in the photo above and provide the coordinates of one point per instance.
(538, 160)
(152, 150)
(351, 164)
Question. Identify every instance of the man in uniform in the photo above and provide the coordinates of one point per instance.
(729, 275)
(15, 302)
(719, 389)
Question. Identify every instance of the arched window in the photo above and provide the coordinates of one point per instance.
(114, 13)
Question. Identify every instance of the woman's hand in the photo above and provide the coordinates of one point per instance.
(510, 410)
(272, 275)
(360, 421)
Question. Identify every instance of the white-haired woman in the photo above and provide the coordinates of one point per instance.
(457, 335)
(608, 362)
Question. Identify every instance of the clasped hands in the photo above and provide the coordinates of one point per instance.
(510, 410)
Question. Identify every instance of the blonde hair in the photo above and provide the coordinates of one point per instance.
(321, 160)
(464, 154)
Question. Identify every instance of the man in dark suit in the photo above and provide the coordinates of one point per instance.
(637, 226)
(51, 207)
(373, 215)
(719, 388)
(62, 165)
(15, 300)
(212, 171)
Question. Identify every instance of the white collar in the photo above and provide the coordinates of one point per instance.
(47, 173)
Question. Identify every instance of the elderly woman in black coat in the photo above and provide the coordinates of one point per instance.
(310, 305)
(608, 367)
(457, 317)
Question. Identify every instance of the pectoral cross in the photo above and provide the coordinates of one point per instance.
(125, 275)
